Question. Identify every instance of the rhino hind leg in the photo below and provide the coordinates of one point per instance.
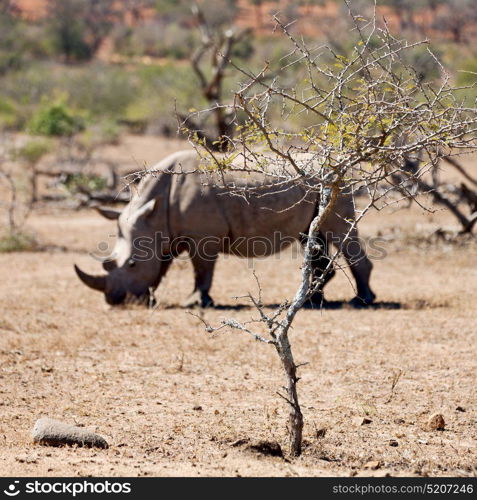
(322, 270)
(361, 267)
(361, 270)
(203, 274)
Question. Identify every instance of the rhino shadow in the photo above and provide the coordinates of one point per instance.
(328, 305)
(343, 304)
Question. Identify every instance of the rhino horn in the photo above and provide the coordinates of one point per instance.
(94, 282)
(108, 213)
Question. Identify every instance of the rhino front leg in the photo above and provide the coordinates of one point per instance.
(203, 274)
(320, 264)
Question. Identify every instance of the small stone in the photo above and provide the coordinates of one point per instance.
(51, 432)
(372, 465)
(460, 408)
(393, 442)
(358, 421)
(197, 408)
(436, 422)
(320, 433)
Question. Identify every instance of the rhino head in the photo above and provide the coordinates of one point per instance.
(139, 258)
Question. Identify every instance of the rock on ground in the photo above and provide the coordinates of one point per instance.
(51, 432)
(436, 422)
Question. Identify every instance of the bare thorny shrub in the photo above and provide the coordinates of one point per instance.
(360, 108)
(19, 193)
(15, 207)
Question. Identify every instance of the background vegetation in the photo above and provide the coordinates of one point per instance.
(66, 65)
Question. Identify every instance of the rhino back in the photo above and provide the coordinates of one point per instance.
(254, 218)
(249, 215)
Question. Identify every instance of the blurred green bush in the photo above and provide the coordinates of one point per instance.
(33, 151)
(55, 119)
(18, 241)
(77, 183)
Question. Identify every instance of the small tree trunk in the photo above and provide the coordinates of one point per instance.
(295, 419)
(282, 343)
(222, 129)
(33, 185)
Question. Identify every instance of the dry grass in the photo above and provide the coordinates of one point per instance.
(135, 376)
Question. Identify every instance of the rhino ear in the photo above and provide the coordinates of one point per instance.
(108, 213)
(146, 209)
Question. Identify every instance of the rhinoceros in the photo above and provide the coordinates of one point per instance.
(174, 211)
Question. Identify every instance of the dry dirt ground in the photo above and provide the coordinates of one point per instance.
(173, 400)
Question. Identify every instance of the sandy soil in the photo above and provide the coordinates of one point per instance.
(174, 400)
